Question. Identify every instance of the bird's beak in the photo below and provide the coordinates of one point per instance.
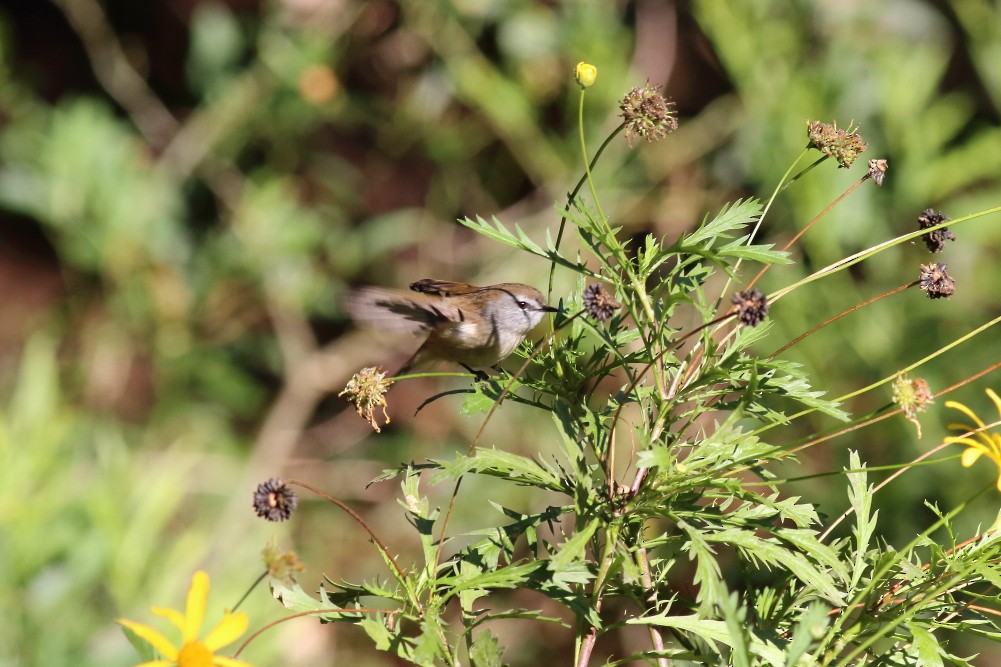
(550, 309)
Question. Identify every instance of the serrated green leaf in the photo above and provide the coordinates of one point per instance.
(744, 338)
(574, 550)
(730, 218)
(477, 583)
(498, 232)
(860, 497)
(712, 632)
(429, 648)
(383, 639)
(811, 627)
(787, 379)
(927, 647)
(756, 253)
(806, 541)
(707, 573)
(143, 648)
(498, 463)
(293, 598)
(477, 402)
(771, 553)
(485, 651)
(735, 616)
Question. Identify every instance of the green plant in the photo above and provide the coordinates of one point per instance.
(667, 430)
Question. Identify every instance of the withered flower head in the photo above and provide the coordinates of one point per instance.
(877, 170)
(842, 145)
(913, 396)
(282, 565)
(367, 391)
(935, 240)
(274, 500)
(598, 303)
(936, 282)
(752, 306)
(646, 114)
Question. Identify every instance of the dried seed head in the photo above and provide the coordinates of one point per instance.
(936, 282)
(935, 240)
(912, 396)
(842, 145)
(877, 170)
(598, 303)
(752, 306)
(274, 501)
(646, 114)
(367, 391)
(281, 565)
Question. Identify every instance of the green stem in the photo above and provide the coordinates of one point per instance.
(805, 171)
(877, 577)
(573, 195)
(587, 164)
(624, 262)
(870, 252)
(252, 587)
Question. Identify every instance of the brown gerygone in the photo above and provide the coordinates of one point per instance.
(469, 325)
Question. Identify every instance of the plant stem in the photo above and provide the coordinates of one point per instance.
(375, 538)
(252, 587)
(839, 316)
(573, 195)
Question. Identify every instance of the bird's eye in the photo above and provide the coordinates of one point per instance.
(522, 304)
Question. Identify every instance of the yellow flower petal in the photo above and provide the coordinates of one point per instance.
(223, 661)
(966, 411)
(970, 456)
(997, 401)
(230, 627)
(194, 610)
(585, 74)
(986, 443)
(157, 663)
(158, 641)
(175, 617)
(984, 437)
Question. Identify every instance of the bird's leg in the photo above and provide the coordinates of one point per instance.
(480, 375)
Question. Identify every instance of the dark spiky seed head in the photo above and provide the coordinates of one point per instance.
(752, 306)
(274, 500)
(598, 303)
(935, 240)
(936, 282)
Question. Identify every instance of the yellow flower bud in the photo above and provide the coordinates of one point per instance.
(585, 74)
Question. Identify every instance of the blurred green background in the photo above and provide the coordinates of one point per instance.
(187, 188)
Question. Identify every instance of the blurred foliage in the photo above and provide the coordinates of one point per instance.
(188, 188)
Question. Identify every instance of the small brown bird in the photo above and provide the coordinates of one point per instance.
(472, 326)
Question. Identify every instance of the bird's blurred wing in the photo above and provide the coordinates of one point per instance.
(442, 287)
(385, 309)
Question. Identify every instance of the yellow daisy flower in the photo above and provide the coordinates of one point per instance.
(193, 652)
(987, 444)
